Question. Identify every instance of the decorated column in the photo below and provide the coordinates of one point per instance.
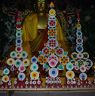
(82, 63)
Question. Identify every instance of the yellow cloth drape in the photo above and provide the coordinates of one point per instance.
(61, 37)
(30, 27)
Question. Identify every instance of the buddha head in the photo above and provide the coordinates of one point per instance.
(41, 5)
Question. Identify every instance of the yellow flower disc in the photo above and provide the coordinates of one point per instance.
(5, 78)
(52, 12)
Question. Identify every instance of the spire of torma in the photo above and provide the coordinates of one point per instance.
(51, 4)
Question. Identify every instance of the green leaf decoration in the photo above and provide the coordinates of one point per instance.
(60, 67)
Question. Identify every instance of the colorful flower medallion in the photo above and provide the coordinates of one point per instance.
(13, 54)
(70, 74)
(42, 59)
(52, 12)
(69, 66)
(59, 52)
(34, 67)
(53, 72)
(22, 68)
(26, 62)
(21, 76)
(24, 54)
(34, 59)
(10, 61)
(52, 63)
(83, 76)
(6, 71)
(34, 75)
(5, 78)
(18, 63)
(52, 43)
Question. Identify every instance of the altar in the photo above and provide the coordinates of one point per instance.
(42, 61)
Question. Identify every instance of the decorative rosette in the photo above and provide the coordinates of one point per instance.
(19, 41)
(52, 12)
(83, 68)
(52, 56)
(52, 63)
(24, 54)
(79, 48)
(59, 52)
(52, 33)
(33, 59)
(21, 76)
(10, 61)
(80, 62)
(46, 51)
(18, 62)
(69, 66)
(5, 78)
(85, 55)
(42, 59)
(22, 68)
(6, 71)
(88, 64)
(51, 18)
(34, 75)
(74, 55)
(52, 43)
(13, 54)
(19, 49)
(52, 51)
(34, 67)
(70, 74)
(83, 76)
(79, 34)
(79, 55)
(53, 72)
(64, 60)
(52, 23)
(26, 62)
(18, 33)
(79, 40)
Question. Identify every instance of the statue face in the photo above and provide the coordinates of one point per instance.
(41, 5)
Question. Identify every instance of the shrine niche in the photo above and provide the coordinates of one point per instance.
(53, 66)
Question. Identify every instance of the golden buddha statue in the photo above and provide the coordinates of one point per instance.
(35, 31)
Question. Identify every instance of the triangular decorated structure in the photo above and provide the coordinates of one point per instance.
(83, 63)
(52, 57)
